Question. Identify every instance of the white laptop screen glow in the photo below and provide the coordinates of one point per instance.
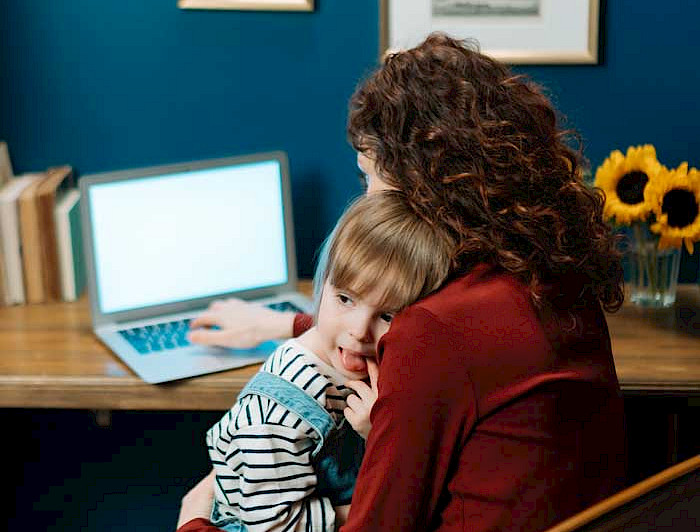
(188, 235)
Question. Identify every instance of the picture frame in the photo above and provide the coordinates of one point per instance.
(249, 5)
(512, 31)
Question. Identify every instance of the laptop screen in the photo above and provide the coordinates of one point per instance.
(187, 234)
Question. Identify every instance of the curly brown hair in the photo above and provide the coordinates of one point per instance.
(480, 149)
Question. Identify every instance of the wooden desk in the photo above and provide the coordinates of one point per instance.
(657, 351)
(50, 359)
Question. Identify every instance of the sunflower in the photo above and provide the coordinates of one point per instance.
(675, 196)
(624, 179)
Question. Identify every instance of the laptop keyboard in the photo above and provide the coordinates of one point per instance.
(164, 336)
(158, 337)
(285, 306)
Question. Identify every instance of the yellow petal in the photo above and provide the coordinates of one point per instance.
(688, 245)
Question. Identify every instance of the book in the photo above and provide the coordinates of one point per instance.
(57, 181)
(10, 243)
(6, 172)
(70, 245)
(30, 242)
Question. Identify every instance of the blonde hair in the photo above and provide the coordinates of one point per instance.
(382, 241)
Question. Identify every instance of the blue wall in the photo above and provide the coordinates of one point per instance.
(113, 84)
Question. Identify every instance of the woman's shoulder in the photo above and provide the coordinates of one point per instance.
(482, 311)
(485, 326)
(480, 292)
(467, 332)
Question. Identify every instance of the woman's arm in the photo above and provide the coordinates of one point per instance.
(239, 324)
(195, 508)
(198, 524)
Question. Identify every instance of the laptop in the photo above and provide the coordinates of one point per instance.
(161, 243)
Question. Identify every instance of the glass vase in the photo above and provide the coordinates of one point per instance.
(653, 273)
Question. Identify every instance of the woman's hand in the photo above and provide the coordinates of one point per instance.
(239, 324)
(360, 405)
(341, 515)
(198, 501)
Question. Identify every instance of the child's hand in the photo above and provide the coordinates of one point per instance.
(360, 405)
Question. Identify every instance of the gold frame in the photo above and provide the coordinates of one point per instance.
(250, 5)
(519, 57)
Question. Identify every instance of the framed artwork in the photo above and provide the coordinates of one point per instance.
(249, 5)
(513, 31)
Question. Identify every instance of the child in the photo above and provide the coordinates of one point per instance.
(285, 458)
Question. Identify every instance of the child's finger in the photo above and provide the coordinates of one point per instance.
(356, 404)
(351, 416)
(363, 391)
(373, 370)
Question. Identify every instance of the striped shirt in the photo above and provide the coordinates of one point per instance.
(262, 452)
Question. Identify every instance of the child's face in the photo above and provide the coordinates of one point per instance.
(350, 327)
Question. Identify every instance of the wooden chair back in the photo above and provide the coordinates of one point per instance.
(669, 500)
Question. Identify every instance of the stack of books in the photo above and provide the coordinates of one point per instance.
(41, 258)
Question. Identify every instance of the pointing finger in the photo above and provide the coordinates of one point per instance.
(373, 370)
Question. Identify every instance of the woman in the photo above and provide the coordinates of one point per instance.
(498, 404)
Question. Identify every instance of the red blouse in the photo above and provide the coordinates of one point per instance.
(489, 417)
